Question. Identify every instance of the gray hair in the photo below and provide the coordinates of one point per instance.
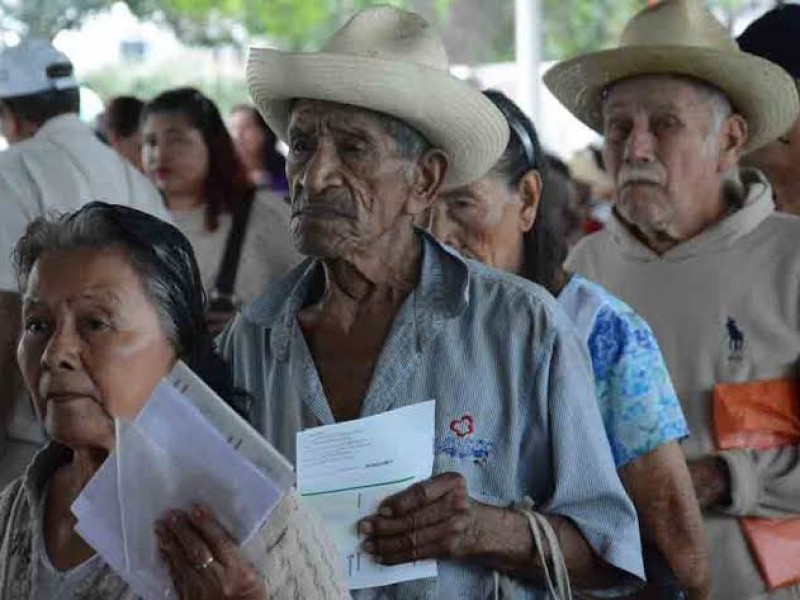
(410, 142)
(719, 104)
(92, 229)
(164, 260)
(721, 108)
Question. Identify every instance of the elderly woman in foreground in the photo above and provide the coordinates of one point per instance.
(111, 299)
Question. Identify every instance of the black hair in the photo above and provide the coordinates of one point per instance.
(123, 115)
(545, 244)
(165, 262)
(41, 107)
(227, 183)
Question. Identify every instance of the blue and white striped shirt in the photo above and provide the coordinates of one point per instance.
(515, 408)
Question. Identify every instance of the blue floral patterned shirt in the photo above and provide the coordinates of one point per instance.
(639, 406)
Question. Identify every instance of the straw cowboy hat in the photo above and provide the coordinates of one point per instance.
(390, 61)
(584, 168)
(680, 37)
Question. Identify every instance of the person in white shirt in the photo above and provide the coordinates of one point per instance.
(54, 164)
(240, 234)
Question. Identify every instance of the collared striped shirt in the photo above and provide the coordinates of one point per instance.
(515, 408)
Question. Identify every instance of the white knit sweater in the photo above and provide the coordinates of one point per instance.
(292, 551)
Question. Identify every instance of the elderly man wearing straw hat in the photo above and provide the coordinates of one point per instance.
(382, 316)
(695, 245)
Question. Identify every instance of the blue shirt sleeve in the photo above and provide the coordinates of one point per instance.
(587, 488)
(638, 403)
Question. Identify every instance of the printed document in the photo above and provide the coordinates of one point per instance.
(345, 470)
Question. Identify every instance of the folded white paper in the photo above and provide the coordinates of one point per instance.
(171, 456)
(344, 472)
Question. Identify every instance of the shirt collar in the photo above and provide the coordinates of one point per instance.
(442, 293)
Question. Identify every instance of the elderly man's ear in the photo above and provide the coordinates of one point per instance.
(428, 175)
(733, 135)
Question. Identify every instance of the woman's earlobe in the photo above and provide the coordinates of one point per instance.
(530, 190)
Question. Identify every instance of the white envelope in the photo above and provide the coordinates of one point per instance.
(171, 456)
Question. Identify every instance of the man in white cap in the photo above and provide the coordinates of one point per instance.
(383, 316)
(695, 246)
(55, 163)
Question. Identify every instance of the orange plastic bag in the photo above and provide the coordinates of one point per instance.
(758, 414)
(763, 415)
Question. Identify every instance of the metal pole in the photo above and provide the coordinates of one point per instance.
(528, 50)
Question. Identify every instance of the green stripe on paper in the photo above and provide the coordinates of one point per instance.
(358, 487)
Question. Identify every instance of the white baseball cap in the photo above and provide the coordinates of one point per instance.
(32, 67)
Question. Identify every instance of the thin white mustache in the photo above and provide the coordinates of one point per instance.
(637, 174)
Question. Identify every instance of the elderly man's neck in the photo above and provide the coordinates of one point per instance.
(384, 272)
(664, 237)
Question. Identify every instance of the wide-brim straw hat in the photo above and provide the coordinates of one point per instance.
(679, 37)
(584, 168)
(393, 62)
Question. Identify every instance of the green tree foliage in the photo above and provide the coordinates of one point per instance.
(226, 91)
(293, 24)
(570, 26)
(576, 26)
(45, 18)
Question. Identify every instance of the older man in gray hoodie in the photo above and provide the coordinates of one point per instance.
(696, 247)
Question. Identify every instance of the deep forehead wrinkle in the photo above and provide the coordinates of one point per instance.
(310, 115)
(657, 99)
(665, 104)
(98, 295)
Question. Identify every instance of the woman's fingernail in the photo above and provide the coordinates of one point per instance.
(365, 527)
(385, 511)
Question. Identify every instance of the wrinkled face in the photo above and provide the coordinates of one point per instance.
(780, 161)
(174, 154)
(349, 184)
(483, 221)
(247, 135)
(92, 347)
(663, 154)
